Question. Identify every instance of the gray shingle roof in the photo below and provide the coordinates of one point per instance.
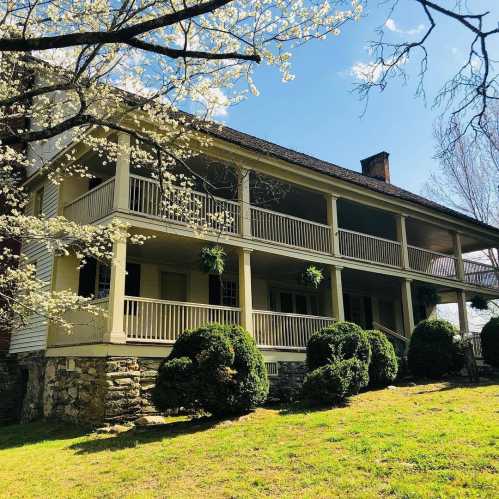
(304, 160)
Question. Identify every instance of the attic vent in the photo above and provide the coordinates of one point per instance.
(272, 368)
(377, 167)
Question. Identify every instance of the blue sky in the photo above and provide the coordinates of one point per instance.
(318, 114)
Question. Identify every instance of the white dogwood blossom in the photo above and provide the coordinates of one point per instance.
(82, 71)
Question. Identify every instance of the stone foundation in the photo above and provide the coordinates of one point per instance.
(94, 390)
(286, 386)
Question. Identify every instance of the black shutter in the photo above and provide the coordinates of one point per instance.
(88, 274)
(346, 307)
(368, 308)
(132, 279)
(215, 290)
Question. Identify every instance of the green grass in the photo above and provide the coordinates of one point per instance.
(434, 440)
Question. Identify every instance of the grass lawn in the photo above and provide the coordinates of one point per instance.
(435, 440)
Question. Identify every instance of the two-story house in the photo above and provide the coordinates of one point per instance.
(378, 246)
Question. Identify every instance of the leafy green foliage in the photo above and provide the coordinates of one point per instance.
(313, 276)
(213, 259)
(427, 295)
(478, 302)
(215, 368)
(343, 340)
(383, 367)
(490, 342)
(335, 381)
(431, 348)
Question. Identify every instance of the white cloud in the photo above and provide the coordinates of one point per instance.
(371, 72)
(391, 25)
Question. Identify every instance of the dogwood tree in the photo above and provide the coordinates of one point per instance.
(82, 70)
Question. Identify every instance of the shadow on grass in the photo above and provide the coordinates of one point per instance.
(302, 407)
(138, 436)
(41, 431)
(452, 384)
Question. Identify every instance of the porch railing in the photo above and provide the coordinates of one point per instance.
(161, 321)
(369, 248)
(268, 225)
(476, 343)
(291, 331)
(92, 205)
(432, 263)
(204, 210)
(480, 274)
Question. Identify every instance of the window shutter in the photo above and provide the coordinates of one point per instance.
(88, 273)
(132, 279)
(215, 290)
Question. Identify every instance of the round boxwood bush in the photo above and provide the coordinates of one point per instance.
(458, 354)
(334, 382)
(343, 340)
(215, 368)
(489, 338)
(431, 348)
(383, 367)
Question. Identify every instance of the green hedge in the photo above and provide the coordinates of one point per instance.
(342, 339)
(489, 338)
(431, 348)
(383, 367)
(215, 368)
(335, 381)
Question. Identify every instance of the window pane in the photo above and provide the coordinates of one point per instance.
(104, 282)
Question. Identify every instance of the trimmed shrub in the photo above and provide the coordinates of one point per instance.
(431, 348)
(489, 338)
(383, 367)
(335, 381)
(215, 368)
(341, 340)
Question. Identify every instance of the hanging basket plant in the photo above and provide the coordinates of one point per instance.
(478, 302)
(312, 276)
(213, 259)
(428, 296)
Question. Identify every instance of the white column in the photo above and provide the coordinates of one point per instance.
(337, 307)
(459, 256)
(122, 177)
(402, 239)
(407, 312)
(243, 194)
(332, 220)
(115, 332)
(245, 292)
(463, 312)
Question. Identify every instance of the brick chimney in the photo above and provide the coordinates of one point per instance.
(377, 166)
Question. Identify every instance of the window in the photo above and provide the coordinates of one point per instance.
(88, 274)
(103, 280)
(38, 202)
(229, 293)
(223, 291)
(294, 302)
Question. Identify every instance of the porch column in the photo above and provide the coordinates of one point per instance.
(459, 256)
(337, 308)
(332, 220)
(243, 194)
(402, 239)
(115, 332)
(407, 312)
(245, 293)
(122, 177)
(463, 312)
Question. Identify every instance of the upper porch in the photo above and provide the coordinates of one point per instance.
(323, 226)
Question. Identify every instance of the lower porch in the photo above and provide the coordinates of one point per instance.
(154, 292)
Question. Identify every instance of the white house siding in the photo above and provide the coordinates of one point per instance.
(33, 336)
